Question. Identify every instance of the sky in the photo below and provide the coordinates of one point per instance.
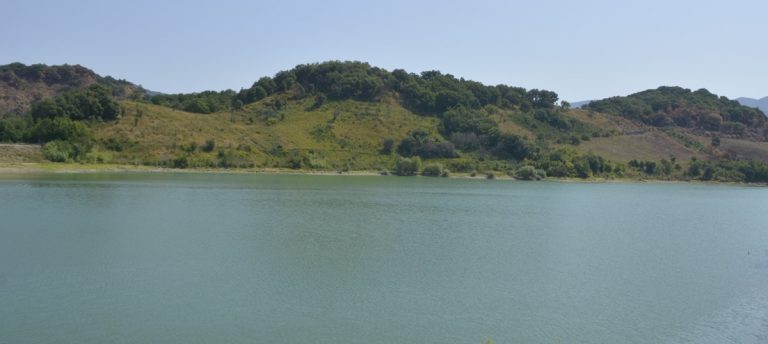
(580, 49)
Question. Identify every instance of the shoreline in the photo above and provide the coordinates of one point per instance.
(47, 168)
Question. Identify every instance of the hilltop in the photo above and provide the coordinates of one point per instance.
(22, 85)
(341, 116)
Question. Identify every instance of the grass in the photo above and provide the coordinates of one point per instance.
(651, 145)
(20, 153)
(743, 149)
(338, 135)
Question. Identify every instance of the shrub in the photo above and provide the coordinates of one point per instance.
(57, 151)
(407, 166)
(432, 170)
(208, 146)
(529, 173)
(180, 162)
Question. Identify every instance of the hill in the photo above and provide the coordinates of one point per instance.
(22, 85)
(700, 110)
(761, 103)
(338, 116)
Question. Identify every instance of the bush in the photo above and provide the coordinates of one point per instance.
(208, 146)
(432, 170)
(529, 173)
(407, 166)
(57, 151)
(180, 162)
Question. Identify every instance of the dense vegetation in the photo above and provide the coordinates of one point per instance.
(299, 118)
(61, 122)
(675, 106)
(203, 102)
(92, 103)
(429, 92)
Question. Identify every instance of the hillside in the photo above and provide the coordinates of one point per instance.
(339, 116)
(701, 111)
(22, 85)
(761, 103)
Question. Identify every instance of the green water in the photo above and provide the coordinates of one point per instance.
(190, 258)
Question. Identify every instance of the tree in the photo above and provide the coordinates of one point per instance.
(542, 98)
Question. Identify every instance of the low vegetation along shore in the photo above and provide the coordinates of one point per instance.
(352, 118)
(30, 162)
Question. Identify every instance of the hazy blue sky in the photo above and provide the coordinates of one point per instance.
(580, 49)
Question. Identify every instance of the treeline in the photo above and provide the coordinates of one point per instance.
(668, 106)
(430, 92)
(569, 163)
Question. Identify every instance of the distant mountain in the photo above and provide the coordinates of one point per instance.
(22, 85)
(761, 103)
(579, 104)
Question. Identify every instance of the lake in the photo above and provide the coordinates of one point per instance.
(220, 258)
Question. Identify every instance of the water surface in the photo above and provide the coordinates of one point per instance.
(195, 258)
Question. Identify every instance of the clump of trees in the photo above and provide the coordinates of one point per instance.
(431, 92)
(202, 102)
(91, 103)
(60, 122)
(750, 171)
(567, 162)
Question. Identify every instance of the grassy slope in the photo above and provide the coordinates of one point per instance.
(743, 149)
(651, 145)
(154, 134)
